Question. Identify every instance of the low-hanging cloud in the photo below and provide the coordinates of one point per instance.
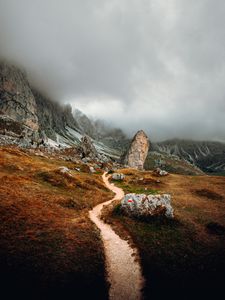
(151, 64)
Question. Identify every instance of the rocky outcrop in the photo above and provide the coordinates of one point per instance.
(87, 148)
(138, 151)
(98, 130)
(140, 205)
(85, 124)
(16, 98)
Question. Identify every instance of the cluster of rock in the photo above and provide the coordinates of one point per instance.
(88, 151)
(138, 151)
(141, 205)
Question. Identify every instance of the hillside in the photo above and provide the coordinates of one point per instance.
(208, 156)
(49, 247)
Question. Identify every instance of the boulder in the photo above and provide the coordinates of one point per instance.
(92, 169)
(141, 205)
(118, 176)
(65, 170)
(138, 151)
(87, 148)
(160, 172)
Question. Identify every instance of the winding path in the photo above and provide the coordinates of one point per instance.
(123, 269)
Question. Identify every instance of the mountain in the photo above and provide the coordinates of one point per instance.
(100, 131)
(208, 156)
(17, 99)
(28, 117)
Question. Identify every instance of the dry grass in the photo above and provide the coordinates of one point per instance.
(48, 246)
(185, 256)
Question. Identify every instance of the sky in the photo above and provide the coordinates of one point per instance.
(156, 65)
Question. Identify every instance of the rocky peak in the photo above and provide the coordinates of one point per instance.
(138, 150)
(16, 98)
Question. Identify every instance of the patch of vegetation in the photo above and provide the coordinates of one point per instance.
(180, 256)
(49, 247)
(215, 228)
(211, 195)
(110, 172)
(135, 189)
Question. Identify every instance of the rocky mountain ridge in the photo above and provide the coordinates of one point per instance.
(28, 117)
(208, 156)
(17, 99)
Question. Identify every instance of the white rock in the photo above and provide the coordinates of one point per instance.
(138, 205)
(92, 169)
(118, 176)
(160, 172)
(64, 170)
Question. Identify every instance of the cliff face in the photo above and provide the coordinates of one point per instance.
(112, 137)
(138, 151)
(53, 117)
(28, 112)
(16, 98)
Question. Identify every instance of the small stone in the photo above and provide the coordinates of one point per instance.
(64, 170)
(92, 169)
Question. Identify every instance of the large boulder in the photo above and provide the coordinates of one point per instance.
(138, 151)
(87, 148)
(141, 205)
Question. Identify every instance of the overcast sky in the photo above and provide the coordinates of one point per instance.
(157, 65)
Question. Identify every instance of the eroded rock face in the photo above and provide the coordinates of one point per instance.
(16, 98)
(141, 205)
(138, 150)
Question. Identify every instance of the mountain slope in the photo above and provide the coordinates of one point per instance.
(27, 117)
(208, 156)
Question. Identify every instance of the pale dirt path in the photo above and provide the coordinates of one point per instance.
(124, 271)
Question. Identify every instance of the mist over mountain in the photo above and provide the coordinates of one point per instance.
(136, 64)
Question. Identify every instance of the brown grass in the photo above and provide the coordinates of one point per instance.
(48, 246)
(184, 256)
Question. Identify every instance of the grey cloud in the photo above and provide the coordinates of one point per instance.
(152, 64)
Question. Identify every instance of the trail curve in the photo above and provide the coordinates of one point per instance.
(123, 269)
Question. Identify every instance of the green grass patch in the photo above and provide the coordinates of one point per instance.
(135, 189)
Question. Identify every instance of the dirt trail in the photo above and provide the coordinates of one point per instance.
(124, 271)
